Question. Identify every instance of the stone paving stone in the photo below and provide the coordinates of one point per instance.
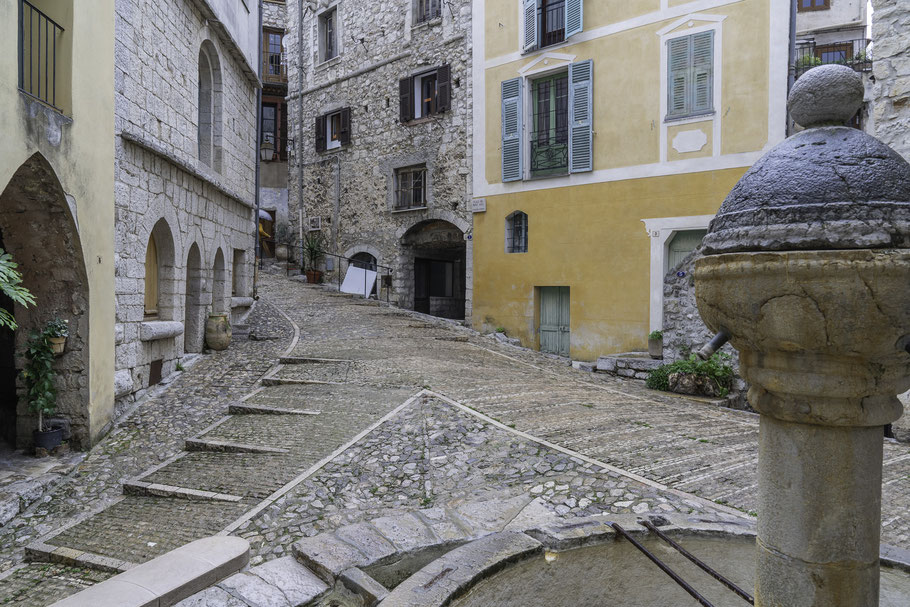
(38, 584)
(138, 529)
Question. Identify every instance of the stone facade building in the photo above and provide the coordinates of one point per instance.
(380, 105)
(891, 93)
(185, 83)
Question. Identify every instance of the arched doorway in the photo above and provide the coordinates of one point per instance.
(193, 326)
(219, 285)
(38, 229)
(367, 262)
(433, 269)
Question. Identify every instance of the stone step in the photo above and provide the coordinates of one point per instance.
(302, 360)
(136, 529)
(43, 583)
(251, 409)
(137, 487)
(628, 365)
(277, 381)
(198, 444)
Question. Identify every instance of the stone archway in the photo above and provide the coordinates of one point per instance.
(40, 231)
(194, 310)
(432, 269)
(220, 295)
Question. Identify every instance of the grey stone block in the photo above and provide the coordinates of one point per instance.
(254, 590)
(299, 584)
(159, 329)
(407, 532)
(9, 507)
(327, 556)
(362, 584)
(606, 364)
(584, 366)
(212, 597)
(827, 94)
(367, 539)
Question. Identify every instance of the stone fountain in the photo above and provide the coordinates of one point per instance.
(807, 270)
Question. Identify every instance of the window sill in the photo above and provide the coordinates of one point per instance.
(340, 148)
(429, 23)
(409, 209)
(548, 176)
(321, 65)
(515, 252)
(423, 119)
(689, 118)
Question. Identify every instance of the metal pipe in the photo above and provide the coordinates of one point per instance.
(663, 567)
(716, 343)
(701, 565)
(257, 249)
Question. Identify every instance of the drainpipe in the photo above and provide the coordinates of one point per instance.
(258, 162)
(299, 146)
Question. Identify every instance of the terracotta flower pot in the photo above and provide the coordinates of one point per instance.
(313, 276)
(57, 345)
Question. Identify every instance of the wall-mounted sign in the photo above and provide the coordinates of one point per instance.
(479, 205)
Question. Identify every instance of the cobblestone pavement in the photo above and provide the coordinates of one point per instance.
(279, 451)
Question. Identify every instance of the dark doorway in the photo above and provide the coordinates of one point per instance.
(439, 260)
(8, 399)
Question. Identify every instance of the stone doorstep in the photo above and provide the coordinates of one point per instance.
(142, 488)
(169, 578)
(221, 446)
(245, 409)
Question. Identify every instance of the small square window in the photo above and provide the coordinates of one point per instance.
(814, 5)
(411, 188)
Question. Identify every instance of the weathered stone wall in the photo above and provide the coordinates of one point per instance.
(274, 14)
(161, 184)
(351, 188)
(890, 113)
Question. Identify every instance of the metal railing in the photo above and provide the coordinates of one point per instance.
(38, 35)
(552, 16)
(274, 69)
(383, 273)
(852, 53)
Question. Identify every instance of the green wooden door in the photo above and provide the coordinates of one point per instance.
(554, 320)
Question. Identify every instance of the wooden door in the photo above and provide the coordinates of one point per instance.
(554, 320)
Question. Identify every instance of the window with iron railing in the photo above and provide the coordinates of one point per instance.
(41, 46)
(856, 54)
(411, 188)
(427, 10)
(550, 125)
(552, 15)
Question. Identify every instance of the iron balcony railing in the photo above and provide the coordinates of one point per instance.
(38, 47)
(274, 69)
(856, 54)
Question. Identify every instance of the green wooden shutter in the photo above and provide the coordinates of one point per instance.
(511, 130)
(581, 135)
(702, 72)
(678, 76)
(574, 17)
(529, 15)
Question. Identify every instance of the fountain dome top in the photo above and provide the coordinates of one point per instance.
(827, 187)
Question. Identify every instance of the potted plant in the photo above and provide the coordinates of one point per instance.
(656, 344)
(313, 255)
(57, 332)
(40, 387)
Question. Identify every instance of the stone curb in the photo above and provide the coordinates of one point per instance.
(159, 490)
(221, 446)
(42, 552)
(167, 579)
(243, 409)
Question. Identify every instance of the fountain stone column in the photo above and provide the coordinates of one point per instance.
(807, 268)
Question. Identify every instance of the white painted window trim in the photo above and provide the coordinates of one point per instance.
(329, 143)
(660, 231)
(671, 32)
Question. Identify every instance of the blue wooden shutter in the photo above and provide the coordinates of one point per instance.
(529, 15)
(702, 72)
(678, 76)
(511, 130)
(574, 17)
(581, 134)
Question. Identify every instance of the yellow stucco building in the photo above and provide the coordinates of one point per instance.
(606, 134)
(57, 201)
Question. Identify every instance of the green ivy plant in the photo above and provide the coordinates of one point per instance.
(656, 335)
(39, 375)
(11, 285)
(715, 368)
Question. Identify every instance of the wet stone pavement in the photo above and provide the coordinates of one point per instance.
(373, 412)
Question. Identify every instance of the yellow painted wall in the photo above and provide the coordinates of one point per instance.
(591, 239)
(83, 160)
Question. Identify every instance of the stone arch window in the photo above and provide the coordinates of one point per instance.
(194, 307)
(517, 232)
(209, 126)
(160, 273)
(151, 279)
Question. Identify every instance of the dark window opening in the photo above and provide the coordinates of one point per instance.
(552, 17)
(814, 5)
(410, 188)
(550, 124)
(330, 49)
(269, 124)
(427, 10)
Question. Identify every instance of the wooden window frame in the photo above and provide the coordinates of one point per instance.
(328, 35)
(411, 95)
(806, 9)
(324, 130)
(409, 180)
(555, 136)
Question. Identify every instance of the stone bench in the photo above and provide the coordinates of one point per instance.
(168, 579)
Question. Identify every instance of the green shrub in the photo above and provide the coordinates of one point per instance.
(656, 334)
(716, 368)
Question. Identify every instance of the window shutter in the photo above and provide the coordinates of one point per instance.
(443, 89)
(529, 12)
(344, 137)
(511, 130)
(406, 95)
(702, 72)
(320, 133)
(678, 76)
(574, 17)
(581, 134)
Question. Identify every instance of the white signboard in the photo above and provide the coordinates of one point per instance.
(358, 281)
(479, 205)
